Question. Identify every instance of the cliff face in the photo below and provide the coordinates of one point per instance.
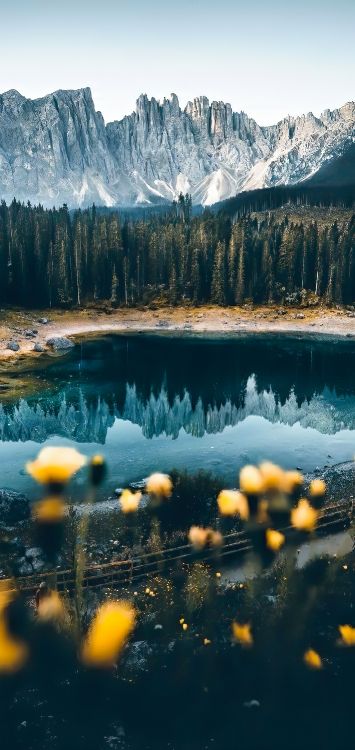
(58, 149)
(53, 149)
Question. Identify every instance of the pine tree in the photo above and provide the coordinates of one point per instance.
(219, 285)
(114, 287)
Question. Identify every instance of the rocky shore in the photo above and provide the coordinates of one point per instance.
(32, 332)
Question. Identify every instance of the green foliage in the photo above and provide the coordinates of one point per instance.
(52, 258)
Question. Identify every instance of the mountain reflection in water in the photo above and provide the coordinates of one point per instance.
(88, 419)
(162, 402)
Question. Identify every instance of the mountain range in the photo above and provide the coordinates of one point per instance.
(58, 149)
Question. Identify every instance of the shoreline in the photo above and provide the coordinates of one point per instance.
(208, 320)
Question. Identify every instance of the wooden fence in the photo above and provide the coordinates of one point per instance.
(125, 572)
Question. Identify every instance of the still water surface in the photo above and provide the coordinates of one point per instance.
(152, 403)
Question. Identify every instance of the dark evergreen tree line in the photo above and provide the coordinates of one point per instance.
(51, 258)
(303, 194)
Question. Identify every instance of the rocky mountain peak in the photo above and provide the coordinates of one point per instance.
(58, 148)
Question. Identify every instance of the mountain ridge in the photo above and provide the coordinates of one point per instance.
(58, 148)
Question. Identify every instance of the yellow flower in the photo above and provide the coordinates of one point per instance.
(108, 633)
(129, 501)
(215, 538)
(274, 539)
(272, 475)
(97, 469)
(304, 517)
(160, 485)
(251, 480)
(347, 634)
(200, 538)
(206, 642)
(317, 488)
(97, 460)
(55, 465)
(13, 653)
(232, 502)
(51, 607)
(7, 592)
(50, 510)
(242, 633)
(291, 480)
(185, 626)
(262, 513)
(312, 659)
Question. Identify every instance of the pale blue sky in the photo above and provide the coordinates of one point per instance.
(268, 58)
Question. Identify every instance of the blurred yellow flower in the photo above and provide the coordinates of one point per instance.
(51, 607)
(97, 469)
(49, 510)
(251, 480)
(317, 488)
(7, 592)
(97, 460)
(242, 633)
(274, 539)
(292, 480)
(215, 538)
(200, 538)
(262, 515)
(108, 633)
(185, 626)
(272, 475)
(160, 485)
(129, 501)
(13, 653)
(312, 659)
(206, 642)
(55, 465)
(232, 502)
(304, 517)
(347, 633)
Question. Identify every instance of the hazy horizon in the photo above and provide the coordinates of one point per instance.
(269, 61)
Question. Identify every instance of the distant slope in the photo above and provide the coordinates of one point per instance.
(306, 194)
(339, 171)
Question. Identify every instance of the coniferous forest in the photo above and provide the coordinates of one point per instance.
(58, 258)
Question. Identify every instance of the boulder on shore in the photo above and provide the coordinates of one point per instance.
(60, 343)
(13, 346)
(30, 333)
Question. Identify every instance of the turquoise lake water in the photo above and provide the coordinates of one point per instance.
(159, 402)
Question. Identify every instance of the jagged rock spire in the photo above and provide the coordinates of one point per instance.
(58, 149)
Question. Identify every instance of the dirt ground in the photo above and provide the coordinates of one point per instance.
(81, 323)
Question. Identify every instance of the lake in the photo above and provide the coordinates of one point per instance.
(161, 402)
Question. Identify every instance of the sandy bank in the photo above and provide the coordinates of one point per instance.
(203, 320)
